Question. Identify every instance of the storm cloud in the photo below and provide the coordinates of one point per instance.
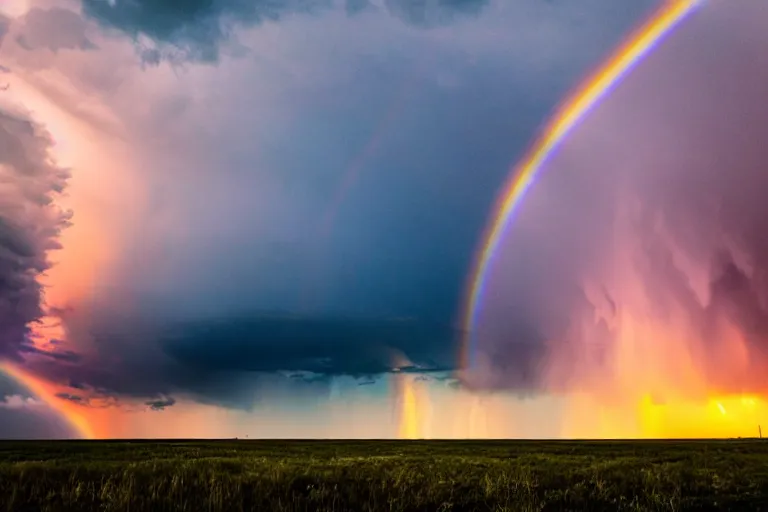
(229, 360)
(237, 163)
(30, 225)
(159, 405)
(197, 29)
(639, 257)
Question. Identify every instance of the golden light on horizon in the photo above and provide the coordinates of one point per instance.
(716, 417)
(412, 399)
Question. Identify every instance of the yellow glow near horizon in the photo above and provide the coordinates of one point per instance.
(719, 416)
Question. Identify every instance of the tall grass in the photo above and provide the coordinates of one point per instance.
(392, 476)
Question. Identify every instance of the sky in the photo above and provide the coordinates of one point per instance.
(263, 219)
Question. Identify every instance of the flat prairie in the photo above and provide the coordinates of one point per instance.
(229, 475)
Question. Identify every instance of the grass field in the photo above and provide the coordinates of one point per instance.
(384, 475)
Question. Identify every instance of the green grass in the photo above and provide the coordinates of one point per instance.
(383, 475)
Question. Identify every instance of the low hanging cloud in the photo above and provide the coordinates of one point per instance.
(30, 225)
(161, 404)
(637, 264)
(76, 399)
(231, 360)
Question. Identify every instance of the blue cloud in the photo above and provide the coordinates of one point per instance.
(196, 29)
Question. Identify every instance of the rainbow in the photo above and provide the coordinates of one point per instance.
(46, 393)
(567, 117)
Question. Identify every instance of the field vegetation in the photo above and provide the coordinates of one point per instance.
(383, 475)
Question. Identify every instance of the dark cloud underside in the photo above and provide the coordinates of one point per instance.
(212, 359)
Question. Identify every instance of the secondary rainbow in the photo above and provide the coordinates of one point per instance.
(567, 117)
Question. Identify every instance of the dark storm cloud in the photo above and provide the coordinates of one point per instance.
(93, 399)
(161, 404)
(70, 397)
(321, 346)
(219, 360)
(30, 224)
(655, 212)
(197, 28)
(59, 355)
(404, 236)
